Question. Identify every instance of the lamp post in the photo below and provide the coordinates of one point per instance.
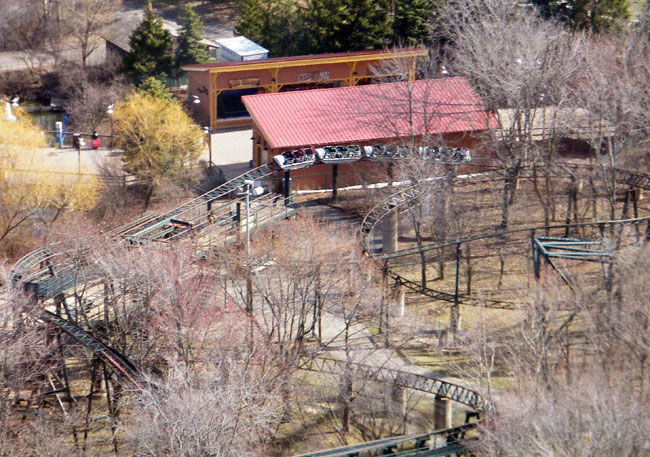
(251, 188)
(196, 100)
(109, 111)
(78, 142)
(209, 134)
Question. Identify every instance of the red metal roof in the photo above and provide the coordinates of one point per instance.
(362, 114)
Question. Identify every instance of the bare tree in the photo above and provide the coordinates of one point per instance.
(614, 90)
(85, 19)
(222, 409)
(617, 326)
(29, 357)
(590, 417)
(520, 65)
(37, 31)
(89, 93)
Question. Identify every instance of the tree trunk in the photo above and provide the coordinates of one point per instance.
(147, 196)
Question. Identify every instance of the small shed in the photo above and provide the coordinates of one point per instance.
(239, 49)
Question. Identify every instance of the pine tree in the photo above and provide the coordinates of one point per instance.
(156, 88)
(251, 22)
(189, 49)
(344, 25)
(594, 15)
(281, 27)
(368, 27)
(412, 22)
(321, 22)
(151, 49)
(271, 24)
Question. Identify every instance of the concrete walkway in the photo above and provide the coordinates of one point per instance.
(231, 151)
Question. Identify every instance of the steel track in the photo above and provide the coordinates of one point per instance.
(403, 200)
(426, 384)
(55, 274)
(400, 200)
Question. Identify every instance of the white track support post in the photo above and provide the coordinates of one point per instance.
(400, 295)
(389, 232)
(398, 403)
(441, 413)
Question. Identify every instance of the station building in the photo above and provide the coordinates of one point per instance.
(220, 86)
(443, 112)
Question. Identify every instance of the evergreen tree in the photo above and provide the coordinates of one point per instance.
(594, 15)
(189, 49)
(344, 25)
(369, 25)
(271, 24)
(151, 49)
(251, 21)
(321, 24)
(156, 88)
(412, 22)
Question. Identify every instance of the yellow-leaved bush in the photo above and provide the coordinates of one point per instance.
(158, 138)
(30, 184)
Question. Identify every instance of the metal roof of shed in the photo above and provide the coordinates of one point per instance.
(362, 114)
(242, 46)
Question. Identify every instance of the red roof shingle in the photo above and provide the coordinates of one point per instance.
(367, 113)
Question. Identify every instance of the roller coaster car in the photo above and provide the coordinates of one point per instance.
(445, 154)
(386, 152)
(339, 154)
(177, 223)
(298, 158)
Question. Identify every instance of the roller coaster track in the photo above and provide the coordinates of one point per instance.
(423, 444)
(47, 273)
(45, 262)
(136, 232)
(109, 355)
(52, 275)
(194, 211)
(403, 200)
(426, 444)
(426, 384)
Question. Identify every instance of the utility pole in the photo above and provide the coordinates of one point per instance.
(251, 188)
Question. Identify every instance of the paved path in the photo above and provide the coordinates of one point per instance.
(366, 348)
(231, 151)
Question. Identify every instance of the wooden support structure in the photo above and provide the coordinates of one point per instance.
(111, 408)
(399, 403)
(91, 390)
